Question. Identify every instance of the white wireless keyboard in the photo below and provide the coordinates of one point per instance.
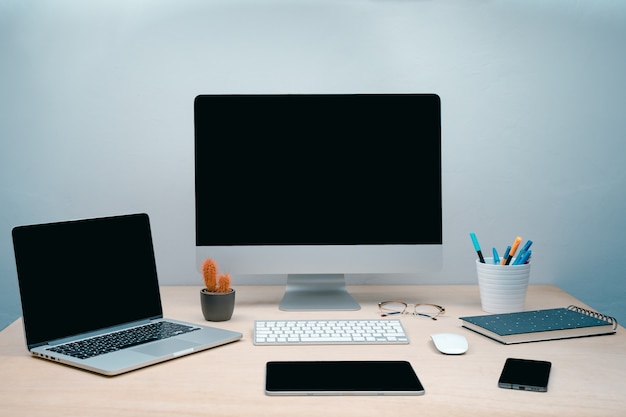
(329, 332)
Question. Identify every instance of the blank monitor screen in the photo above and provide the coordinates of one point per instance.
(318, 169)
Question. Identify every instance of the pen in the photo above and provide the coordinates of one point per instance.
(522, 252)
(526, 257)
(477, 247)
(506, 255)
(516, 243)
(496, 258)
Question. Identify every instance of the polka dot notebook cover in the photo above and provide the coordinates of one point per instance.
(539, 325)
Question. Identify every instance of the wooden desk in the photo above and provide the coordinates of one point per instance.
(587, 379)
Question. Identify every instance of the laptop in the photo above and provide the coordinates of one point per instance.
(88, 284)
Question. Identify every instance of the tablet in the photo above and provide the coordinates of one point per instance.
(341, 378)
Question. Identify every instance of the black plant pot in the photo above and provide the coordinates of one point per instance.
(217, 306)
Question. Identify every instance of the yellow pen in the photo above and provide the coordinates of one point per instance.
(514, 247)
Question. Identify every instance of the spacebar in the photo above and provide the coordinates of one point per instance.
(137, 343)
(326, 339)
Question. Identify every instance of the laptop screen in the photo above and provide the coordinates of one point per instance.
(85, 275)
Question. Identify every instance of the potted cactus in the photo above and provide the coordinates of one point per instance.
(217, 299)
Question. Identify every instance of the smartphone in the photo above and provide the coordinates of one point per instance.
(341, 378)
(525, 374)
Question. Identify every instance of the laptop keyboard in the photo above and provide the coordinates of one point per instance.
(99, 345)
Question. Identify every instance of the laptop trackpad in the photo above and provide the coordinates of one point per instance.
(166, 347)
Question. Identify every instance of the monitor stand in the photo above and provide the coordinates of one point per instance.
(310, 292)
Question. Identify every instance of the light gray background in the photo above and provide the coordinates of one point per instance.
(96, 116)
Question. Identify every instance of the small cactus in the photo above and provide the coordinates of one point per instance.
(223, 284)
(212, 283)
(209, 273)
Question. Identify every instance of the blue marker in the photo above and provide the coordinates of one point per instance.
(506, 255)
(496, 258)
(522, 252)
(477, 247)
(526, 257)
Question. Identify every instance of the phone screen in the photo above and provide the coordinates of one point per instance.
(525, 374)
(342, 378)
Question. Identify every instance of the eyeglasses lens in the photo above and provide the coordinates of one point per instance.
(427, 310)
(392, 308)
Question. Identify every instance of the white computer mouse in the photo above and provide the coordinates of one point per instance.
(450, 343)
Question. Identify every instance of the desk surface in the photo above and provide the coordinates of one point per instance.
(587, 376)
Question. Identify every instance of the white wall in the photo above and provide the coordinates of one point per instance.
(96, 115)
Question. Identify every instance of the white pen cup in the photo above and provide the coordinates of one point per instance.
(502, 287)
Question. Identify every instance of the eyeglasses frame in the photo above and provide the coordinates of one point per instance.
(442, 310)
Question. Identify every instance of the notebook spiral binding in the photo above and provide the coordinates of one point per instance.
(591, 313)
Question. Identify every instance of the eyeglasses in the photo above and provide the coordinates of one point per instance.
(388, 308)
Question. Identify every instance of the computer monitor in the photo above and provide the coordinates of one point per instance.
(316, 186)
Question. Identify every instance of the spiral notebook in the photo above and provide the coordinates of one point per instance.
(540, 325)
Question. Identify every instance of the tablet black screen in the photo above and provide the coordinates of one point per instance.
(342, 378)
